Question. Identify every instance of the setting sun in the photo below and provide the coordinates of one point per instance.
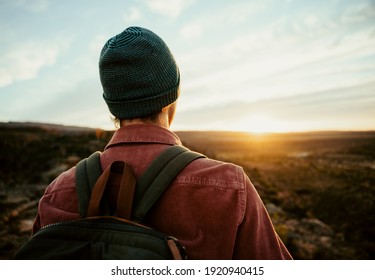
(260, 123)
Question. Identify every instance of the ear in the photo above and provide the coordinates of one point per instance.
(171, 112)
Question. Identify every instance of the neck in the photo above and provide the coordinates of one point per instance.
(142, 121)
(163, 119)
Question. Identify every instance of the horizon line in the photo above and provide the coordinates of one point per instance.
(73, 126)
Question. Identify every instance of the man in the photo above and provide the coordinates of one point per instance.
(211, 207)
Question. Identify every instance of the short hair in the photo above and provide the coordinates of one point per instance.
(148, 118)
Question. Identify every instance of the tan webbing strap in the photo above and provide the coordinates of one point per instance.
(126, 190)
(97, 193)
(174, 249)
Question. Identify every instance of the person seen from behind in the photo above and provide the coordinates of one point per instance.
(211, 207)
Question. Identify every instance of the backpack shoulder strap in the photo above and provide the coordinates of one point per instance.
(155, 168)
(158, 176)
(150, 185)
(88, 171)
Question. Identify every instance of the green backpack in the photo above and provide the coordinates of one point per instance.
(104, 234)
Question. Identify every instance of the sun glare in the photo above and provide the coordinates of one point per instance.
(262, 124)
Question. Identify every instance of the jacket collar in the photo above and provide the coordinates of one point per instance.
(143, 133)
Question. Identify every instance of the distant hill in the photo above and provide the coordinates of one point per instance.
(45, 126)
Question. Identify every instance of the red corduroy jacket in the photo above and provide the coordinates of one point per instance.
(211, 207)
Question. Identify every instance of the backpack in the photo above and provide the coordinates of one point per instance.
(102, 233)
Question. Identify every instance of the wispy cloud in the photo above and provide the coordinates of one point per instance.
(276, 61)
(191, 31)
(215, 20)
(170, 9)
(290, 113)
(359, 12)
(34, 6)
(23, 62)
(132, 14)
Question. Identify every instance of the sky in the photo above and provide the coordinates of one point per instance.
(257, 66)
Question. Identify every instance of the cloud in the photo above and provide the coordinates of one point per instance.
(232, 14)
(340, 108)
(23, 62)
(34, 6)
(170, 9)
(132, 14)
(274, 62)
(191, 31)
(358, 13)
(77, 102)
(311, 20)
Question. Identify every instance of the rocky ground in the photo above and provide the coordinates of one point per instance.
(310, 238)
(319, 192)
(18, 210)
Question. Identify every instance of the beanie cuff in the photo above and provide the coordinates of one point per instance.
(132, 109)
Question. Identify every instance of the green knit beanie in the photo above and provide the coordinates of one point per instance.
(138, 73)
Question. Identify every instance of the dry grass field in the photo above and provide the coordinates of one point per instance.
(318, 187)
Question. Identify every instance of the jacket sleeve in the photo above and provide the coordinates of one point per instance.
(256, 236)
(59, 202)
